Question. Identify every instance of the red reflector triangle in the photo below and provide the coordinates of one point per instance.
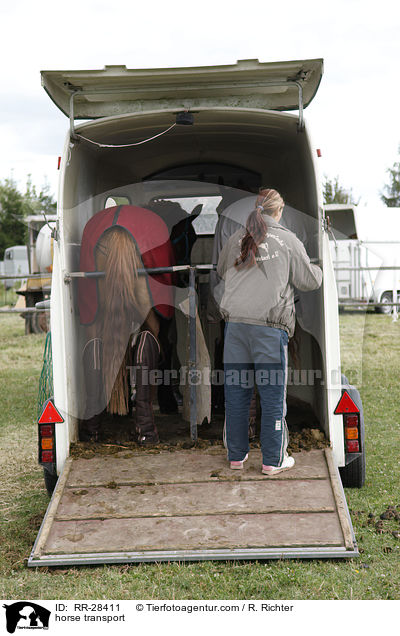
(50, 415)
(346, 405)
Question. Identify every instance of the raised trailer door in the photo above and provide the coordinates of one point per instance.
(117, 90)
(187, 505)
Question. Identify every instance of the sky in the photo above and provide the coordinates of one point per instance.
(354, 118)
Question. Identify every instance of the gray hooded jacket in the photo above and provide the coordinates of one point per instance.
(264, 293)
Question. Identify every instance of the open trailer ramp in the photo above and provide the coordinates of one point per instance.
(138, 507)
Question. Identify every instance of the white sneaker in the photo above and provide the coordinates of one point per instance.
(235, 465)
(288, 462)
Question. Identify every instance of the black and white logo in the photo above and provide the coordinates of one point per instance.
(26, 615)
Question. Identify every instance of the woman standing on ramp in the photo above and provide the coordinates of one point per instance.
(260, 266)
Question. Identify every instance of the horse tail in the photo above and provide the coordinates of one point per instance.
(120, 311)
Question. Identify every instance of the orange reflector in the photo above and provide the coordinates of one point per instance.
(346, 405)
(353, 446)
(351, 433)
(47, 443)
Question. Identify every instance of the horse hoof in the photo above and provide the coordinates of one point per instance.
(148, 440)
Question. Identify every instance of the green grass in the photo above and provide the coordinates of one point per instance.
(8, 297)
(370, 343)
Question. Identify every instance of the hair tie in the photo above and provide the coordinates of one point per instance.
(260, 207)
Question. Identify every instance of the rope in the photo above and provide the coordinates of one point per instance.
(138, 143)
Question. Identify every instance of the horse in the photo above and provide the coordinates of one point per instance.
(127, 315)
(122, 312)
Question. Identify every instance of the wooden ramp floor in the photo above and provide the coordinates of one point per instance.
(189, 505)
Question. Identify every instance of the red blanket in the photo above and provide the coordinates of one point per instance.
(152, 239)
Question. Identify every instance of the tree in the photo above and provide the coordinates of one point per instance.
(15, 207)
(334, 193)
(12, 211)
(392, 200)
(38, 203)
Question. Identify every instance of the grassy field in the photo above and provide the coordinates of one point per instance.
(371, 355)
(8, 297)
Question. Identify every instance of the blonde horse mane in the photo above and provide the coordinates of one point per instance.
(124, 303)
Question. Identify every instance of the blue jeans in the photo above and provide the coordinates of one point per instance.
(256, 354)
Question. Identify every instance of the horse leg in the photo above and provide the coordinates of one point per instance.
(165, 393)
(152, 323)
(145, 360)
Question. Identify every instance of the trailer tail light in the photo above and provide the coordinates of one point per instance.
(352, 446)
(47, 457)
(47, 433)
(46, 443)
(351, 433)
(351, 422)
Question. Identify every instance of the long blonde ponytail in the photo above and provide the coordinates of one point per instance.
(269, 201)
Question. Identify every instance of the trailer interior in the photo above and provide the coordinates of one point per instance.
(215, 158)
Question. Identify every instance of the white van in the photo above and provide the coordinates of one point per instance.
(198, 136)
(15, 263)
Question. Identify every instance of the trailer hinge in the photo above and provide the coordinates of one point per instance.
(74, 91)
(297, 82)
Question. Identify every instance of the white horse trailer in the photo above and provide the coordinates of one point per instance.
(38, 284)
(194, 135)
(365, 244)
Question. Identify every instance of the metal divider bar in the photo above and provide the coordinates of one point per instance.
(192, 354)
(24, 310)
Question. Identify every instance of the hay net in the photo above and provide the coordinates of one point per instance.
(46, 376)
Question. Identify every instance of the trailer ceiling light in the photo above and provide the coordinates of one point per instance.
(184, 118)
(346, 405)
